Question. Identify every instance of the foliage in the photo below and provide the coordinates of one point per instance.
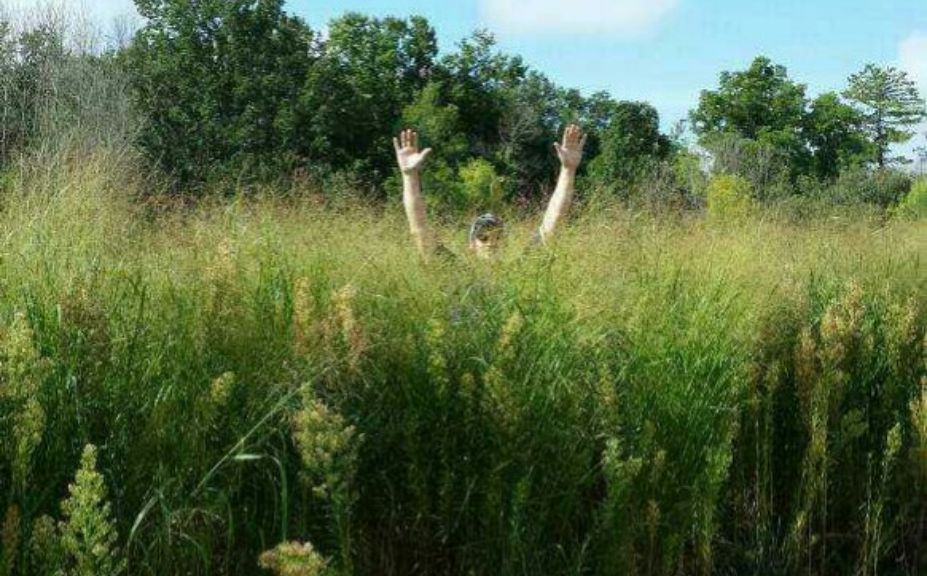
(881, 188)
(630, 144)
(730, 198)
(294, 559)
(88, 536)
(22, 375)
(57, 88)
(219, 84)
(758, 100)
(45, 553)
(914, 204)
(729, 406)
(332, 105)
(763, 165)
(890, 106)
(368, 71)
(9, 538)
(760, 104)
(482, 188)
(834, 131)
(766, 114)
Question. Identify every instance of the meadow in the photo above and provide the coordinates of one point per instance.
(280, 381)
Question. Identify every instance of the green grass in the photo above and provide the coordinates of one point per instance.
(647, 396)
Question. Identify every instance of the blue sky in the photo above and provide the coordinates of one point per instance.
(664, 51)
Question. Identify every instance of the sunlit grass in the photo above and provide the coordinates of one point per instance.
(638, 397)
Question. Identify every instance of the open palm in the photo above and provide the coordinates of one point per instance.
(571, 150)
(409, 158)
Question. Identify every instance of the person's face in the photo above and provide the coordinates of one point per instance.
(487, 243)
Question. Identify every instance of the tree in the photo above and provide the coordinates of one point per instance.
(219, 82)
(477, 76)
(532, 115)
(630, 144)
(757, 100)
(834, 130)
(760, 104)
(890, 106)
(369, 71)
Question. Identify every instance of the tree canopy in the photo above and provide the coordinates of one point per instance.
(240, 91)
(890, 106)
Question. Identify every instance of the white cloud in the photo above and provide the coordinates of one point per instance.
(619, 17)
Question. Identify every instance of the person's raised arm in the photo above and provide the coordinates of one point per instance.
(570, 153)
(410, 161)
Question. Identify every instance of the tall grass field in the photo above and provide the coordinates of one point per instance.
(282, 386)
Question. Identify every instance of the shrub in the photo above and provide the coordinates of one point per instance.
(669, 187)
(481, 187)
(729, 198)
(22, 371)
(914, 204)
(882, 188)
(687, 169)
(765, 166)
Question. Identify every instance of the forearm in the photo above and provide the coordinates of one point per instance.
(415, 210)
(559, 203)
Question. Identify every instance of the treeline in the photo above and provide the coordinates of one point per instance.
(235, 92)
(243, 89)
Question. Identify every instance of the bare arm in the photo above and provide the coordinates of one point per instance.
(570, 153)
(410, 162)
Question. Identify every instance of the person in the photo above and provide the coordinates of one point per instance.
(487, 231)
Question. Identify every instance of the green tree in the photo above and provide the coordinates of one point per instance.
(834, 130)
(369, 71)
(890, 105)
(631, 143)
(438, 125)
(477, 76)
(219, 82)
(437, 121)
(762, 104)
(533, 114)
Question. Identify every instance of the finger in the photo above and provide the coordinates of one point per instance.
(558, 148)
(415, 139)
(402, 139)
(396, 144)
(426, 153)
(582, 143)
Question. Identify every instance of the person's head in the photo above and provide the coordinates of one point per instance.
(486, 235)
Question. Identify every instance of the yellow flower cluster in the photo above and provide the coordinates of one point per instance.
(294, 559)
(327, 445)
(351, 333)
(88, 534)
(22, 372)
(302, 315)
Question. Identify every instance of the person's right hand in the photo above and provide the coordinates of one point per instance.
(408, 157)
(570, 151)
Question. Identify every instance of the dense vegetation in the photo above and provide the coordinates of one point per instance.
(701, 375)
(231, 93)
(662, 397)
